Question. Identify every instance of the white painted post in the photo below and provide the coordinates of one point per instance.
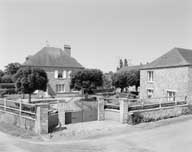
(20, 109)
(124, 110)
(101, 110)
(61, 112)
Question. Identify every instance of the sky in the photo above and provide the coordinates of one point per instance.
(100, 32)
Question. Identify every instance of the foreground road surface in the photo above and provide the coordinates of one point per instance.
(171, 137)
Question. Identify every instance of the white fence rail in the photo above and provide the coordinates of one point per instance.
(19, 108)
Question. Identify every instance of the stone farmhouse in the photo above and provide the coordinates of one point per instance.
(58, 65)
(169, 77)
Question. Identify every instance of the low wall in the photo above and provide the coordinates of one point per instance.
(140, 116)
(14, 119)
(112, 114)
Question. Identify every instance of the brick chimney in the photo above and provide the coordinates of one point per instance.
(67, 49)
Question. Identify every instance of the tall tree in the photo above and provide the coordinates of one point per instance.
(126, 78)
(30, 79)
(86, 79)
(1, 75)
(125, 63)
(12, 68)
(133, 78)
(119, 80)
(120, 63)
(107, 80)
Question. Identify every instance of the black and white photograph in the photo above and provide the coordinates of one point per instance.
(95, 75)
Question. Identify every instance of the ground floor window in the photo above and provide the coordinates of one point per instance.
(150, 93)
(60, 88)
(171, 95)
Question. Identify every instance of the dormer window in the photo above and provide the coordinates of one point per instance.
(60, 75)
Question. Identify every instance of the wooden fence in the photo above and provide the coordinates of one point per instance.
(18, 108)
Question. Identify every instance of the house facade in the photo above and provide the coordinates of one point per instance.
(58, 64)
(168, 78)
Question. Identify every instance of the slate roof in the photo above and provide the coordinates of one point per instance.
(129, 68)
(53, 57)
(174, 58)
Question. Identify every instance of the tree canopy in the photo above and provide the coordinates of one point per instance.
(12, 68)
(6, 79)
(86, 79)
(1, 73)
(30, 79)
(126, 78)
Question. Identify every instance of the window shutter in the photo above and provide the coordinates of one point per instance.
(56, 74)
(69, 74)
(64, 74)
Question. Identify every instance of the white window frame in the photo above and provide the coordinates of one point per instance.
(152, 93)
(171, 95)
(150, 76)
(60, 88)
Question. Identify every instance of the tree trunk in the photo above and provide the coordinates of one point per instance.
(86, 96)
(29, 98)
(23, 95)
(136, 87)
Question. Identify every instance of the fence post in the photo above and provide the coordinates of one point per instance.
(41, 123)
(20, 110)
(5, 103)
(101, 110)
(123, 110)
(61, 112)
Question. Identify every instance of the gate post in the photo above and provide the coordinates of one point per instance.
(41, 123)
(123, 110)
(61, 113)
(101, 111)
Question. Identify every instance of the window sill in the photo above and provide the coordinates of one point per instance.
(61, 78)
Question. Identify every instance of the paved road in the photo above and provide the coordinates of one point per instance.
(172, 137)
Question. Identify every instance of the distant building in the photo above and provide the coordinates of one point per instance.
(169, 77)
(129, 68)
(58, 65)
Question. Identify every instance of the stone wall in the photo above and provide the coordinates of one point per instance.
(21, 122)
(158, 114)
(190, 84)
(175, 79)
(111, 114)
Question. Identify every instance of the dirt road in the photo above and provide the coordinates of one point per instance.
(175, 136)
